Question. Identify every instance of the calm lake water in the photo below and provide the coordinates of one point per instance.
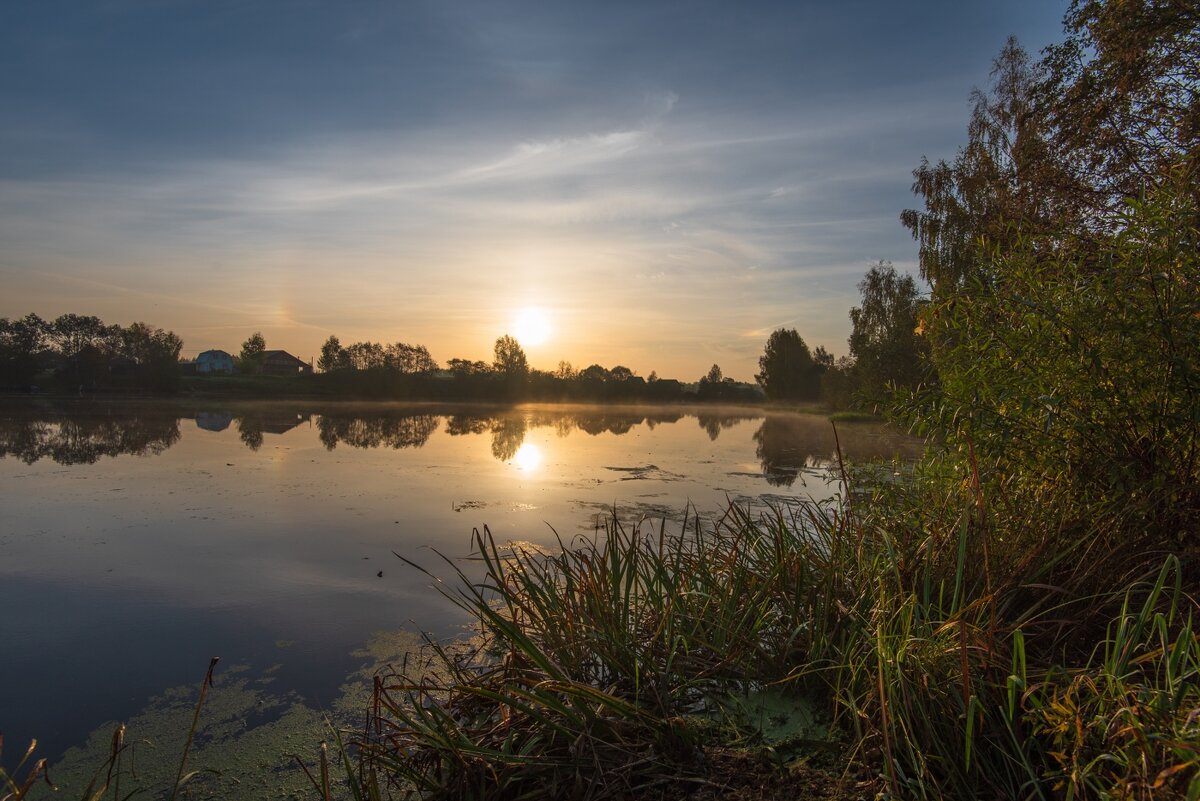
(139, 539)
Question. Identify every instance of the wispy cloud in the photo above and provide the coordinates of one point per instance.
(556, 156)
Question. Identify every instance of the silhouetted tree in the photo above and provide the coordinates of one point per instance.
(71, 334)
(21, 342)
(620, 373)
(1056, 147)
(333, 356)
(989, 195)
(510, 359)
(251, 358)
(594, 373)
(87, 347)
(884, 342)
(463, 368)
(788, 371)
(365, 355)
(409, 359)
(155, 355)
(837, 385)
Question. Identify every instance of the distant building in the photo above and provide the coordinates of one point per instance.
(280, 362)
(214, 361)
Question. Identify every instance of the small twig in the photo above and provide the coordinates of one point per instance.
(204, 685)
(325, 772)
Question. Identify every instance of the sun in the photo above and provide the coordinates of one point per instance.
(531, 326)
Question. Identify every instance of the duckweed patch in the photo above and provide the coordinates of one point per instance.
(248, 739)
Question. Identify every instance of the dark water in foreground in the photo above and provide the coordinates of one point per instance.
(139, 539)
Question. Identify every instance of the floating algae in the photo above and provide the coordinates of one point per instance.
(247, 742)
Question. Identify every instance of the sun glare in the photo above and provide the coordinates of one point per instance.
(531, 326)
(528, 457)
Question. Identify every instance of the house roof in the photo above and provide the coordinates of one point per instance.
(281, 355)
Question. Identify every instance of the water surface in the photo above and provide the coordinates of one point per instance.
(139, 539)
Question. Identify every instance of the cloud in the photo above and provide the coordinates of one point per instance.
(548, 157)
(646, 226)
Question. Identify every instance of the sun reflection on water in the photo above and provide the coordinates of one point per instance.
(528, 457)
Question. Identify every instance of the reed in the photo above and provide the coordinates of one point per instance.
(610, 662)
(18, 783)
(948, 645)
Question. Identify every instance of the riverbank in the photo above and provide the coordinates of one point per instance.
(923, 644)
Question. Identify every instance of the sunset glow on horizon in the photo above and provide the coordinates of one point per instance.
(615, 184)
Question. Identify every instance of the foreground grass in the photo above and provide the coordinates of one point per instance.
(926, 645)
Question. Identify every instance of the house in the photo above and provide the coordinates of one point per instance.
(280, 362)
(214, 361)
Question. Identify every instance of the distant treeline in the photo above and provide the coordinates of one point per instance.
(401, 370)
(77, 353)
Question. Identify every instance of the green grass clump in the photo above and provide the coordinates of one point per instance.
(1128, 724)
(937, 641)
(608, 665)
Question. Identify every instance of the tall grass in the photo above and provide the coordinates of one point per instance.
(600, 666)
(954, 645)
(17, 784)
(984, 610)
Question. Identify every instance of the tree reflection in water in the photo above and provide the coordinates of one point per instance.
(601, 421)
(71, 435)
(508, 433)
(250, 435)
(509, 428)
(387, 429)
(714, 424)
(252, 424)
(786, 444)
(458, 425)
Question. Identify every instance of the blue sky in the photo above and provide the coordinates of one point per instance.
(665, 181)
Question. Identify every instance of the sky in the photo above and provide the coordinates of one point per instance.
(652, 184)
